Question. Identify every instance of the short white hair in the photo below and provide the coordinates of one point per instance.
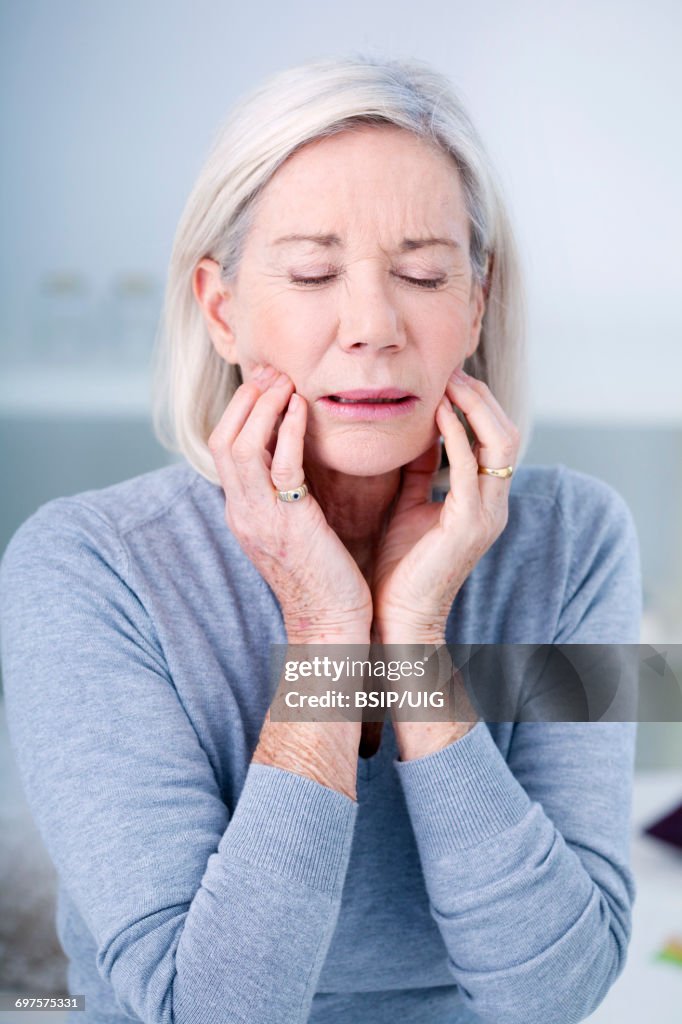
(192, 384)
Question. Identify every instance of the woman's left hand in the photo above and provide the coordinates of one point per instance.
(430, 548)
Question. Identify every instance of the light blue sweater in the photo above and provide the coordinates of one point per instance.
(489, 880)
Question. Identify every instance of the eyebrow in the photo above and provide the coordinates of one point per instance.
(407, 244)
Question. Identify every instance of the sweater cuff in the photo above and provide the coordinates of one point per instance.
(292, 825)
(461, 795)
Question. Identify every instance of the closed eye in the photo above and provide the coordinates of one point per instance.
(312, 280)
(421, 282)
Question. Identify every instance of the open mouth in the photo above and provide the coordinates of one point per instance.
(369, 404)
(368, 401)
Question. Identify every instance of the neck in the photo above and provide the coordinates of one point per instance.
(357, 508)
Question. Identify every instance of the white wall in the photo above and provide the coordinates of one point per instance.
(109, 109)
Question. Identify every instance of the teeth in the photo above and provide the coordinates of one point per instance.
(363, 401)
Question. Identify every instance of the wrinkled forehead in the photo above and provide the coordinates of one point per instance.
(381, 185)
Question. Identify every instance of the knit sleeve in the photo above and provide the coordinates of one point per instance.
(526, 859)
(197, 916)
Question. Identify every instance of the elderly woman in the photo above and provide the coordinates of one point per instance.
(342, 310)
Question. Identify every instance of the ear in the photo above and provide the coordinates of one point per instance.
(215, 300)
(477, 307)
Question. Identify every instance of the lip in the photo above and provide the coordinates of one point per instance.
(365, 405)
(372, 394)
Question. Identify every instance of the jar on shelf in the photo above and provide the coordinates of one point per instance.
(62, 330)
(129, 328)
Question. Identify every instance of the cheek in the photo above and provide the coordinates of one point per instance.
(445, 323)
(292, 336)
(447, 350)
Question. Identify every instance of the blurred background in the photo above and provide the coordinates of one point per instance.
(107, 114)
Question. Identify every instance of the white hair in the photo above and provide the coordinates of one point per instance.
(192, 383)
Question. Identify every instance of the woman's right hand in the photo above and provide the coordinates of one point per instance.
(322, 593)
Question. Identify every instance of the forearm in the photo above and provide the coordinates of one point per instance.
(282, 860)
(325, 751)
(435, 728)
(532, 935)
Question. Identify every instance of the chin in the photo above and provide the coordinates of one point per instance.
(365, 456)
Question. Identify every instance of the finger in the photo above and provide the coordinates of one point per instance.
(239, 409)
(224, 434)
(257, 430)
(496, 443)
(286, 471)
(249, 450)
(484, 391)
(463, 465)
(488, 401)
(456, 388)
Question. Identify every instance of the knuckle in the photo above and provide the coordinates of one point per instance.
(470, 464)
(283, 470)
(242, 453)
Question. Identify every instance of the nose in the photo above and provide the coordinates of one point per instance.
(369, 320)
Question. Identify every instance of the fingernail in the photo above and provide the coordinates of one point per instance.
(281, 380)
(266, 372)
(460, 375)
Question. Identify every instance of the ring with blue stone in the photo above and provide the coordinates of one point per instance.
(295, 494)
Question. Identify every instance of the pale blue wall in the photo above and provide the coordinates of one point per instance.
(109, 109)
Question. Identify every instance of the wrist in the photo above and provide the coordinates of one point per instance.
(405, 637)
(327, 755)
(419, 739)
(395, 629)
(425, 727)
(303, 632)
(323, 637)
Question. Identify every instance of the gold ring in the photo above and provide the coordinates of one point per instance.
(295, 494)
(504, 473)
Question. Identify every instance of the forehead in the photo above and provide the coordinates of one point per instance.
(374, 179)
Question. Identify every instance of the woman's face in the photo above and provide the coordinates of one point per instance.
(344, 287)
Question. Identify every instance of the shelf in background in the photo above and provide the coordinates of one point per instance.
(61, 392)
